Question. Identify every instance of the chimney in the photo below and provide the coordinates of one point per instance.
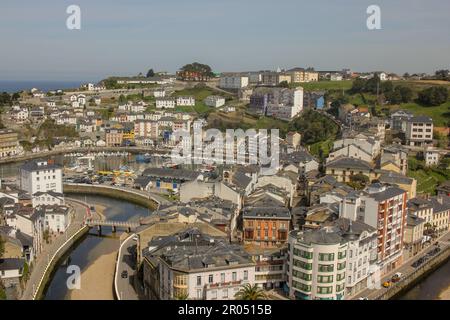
(440, 199)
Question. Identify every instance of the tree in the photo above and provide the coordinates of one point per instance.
(283, 84)
(442, 75)
(433, 96)
(250, 292)
(202, 71)
(122, 99)
(150, 73)
(359, 181)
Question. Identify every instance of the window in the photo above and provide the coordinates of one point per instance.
(222, 277)
(225, 293)
(326, 256)
(324, 279)
(210, 278)
(214, 294)
(324, 290)
(199, 280)
(245, 275)
(326, 267)
(234, 276)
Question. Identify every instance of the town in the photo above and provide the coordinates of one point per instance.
(357, 208)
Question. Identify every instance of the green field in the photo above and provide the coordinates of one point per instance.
(427, 178)
(324, 85)
(326, 147)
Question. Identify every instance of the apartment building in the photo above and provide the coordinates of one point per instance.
(270, 266)
(192, 265)
(317, 265)
(146, 128)
(215, 101)
(303, 75)
(280, 103)
(56, 218)
(9, 143)
(114, 137)
(41, 176)
(344, 168)
(233, 81)
(414, 236)
(185, 101)
(266, 226)
(166, 103)
(419, 131)
(384, 208)
(275, 78)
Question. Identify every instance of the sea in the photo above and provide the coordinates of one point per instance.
(45, 86)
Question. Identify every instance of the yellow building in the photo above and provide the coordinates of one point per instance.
(303, 75)
(9, 143)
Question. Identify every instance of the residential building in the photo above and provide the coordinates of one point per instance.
(303, 75)
(215, 101)
(343, 168)
(185, 101)
(11, 271)
(114, 137)
(317, 265)
(431, 156)
(266, 226)
(195, 266)
(56, 217)
(419, 131)
(166, 103)
(414, 237)
(41, 176)
(275, 78)
(280, 103)
(9, 143)
(233, 81)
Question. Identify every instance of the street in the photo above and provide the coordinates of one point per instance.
(126, 261)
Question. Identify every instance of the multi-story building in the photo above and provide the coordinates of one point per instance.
(56, 218)
(146, 128)
(317, 265)
(41, 176)
(281, 103)
(414, 237)
(419, 131)
(192, 265)
(166, 103)
(384, 208)
(303, 75)
(270, 266)
(9, 143)
(114, 137)
(233, 81)
(185, 101)
(344, 168)
(215, 101)
(399, 120)
(266, 226)
(275, 78)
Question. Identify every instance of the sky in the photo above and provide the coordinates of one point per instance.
(125, 37)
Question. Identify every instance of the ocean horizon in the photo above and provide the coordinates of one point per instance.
(11, 86)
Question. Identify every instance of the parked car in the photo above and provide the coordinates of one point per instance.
(387, 284)
(124, 274)
(396, 277)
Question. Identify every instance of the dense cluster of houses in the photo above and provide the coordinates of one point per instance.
(30, 214)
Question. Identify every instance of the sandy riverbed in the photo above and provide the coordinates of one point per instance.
(445, 294)
(97, 280)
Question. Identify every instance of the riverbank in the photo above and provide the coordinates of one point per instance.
(94, 287)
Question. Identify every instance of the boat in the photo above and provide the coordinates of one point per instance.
(143, 158)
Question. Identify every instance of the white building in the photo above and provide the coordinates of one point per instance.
(56, 218)
(48, 198)
(159, 93)
(195, 266)
(215, 101)
(166, 103)
(317, 265)
(185, 101)
(233, 81)
(431, 157)
(419, 131)
(41, 176)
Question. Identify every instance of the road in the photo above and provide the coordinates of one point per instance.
(405, 269)
(126, 261)
(40, 264)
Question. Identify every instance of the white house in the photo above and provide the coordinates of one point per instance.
(41, 176)
(48, 198)
(215, 101)
(11, 270)
(159, 93)
(186, 101)
(431, 157)
(56, 218)
(233, 81)
(165, 103)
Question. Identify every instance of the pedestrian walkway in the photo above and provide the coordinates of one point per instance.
(49, 250)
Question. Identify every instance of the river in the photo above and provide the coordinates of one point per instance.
(434, 287)
(92, 249)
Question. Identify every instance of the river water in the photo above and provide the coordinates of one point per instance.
(434, 287)
(94, 246)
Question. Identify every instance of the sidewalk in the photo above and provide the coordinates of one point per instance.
(49, 250)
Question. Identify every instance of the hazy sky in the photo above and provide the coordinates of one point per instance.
(125, 37)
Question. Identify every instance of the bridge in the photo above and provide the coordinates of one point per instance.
(128, 226)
